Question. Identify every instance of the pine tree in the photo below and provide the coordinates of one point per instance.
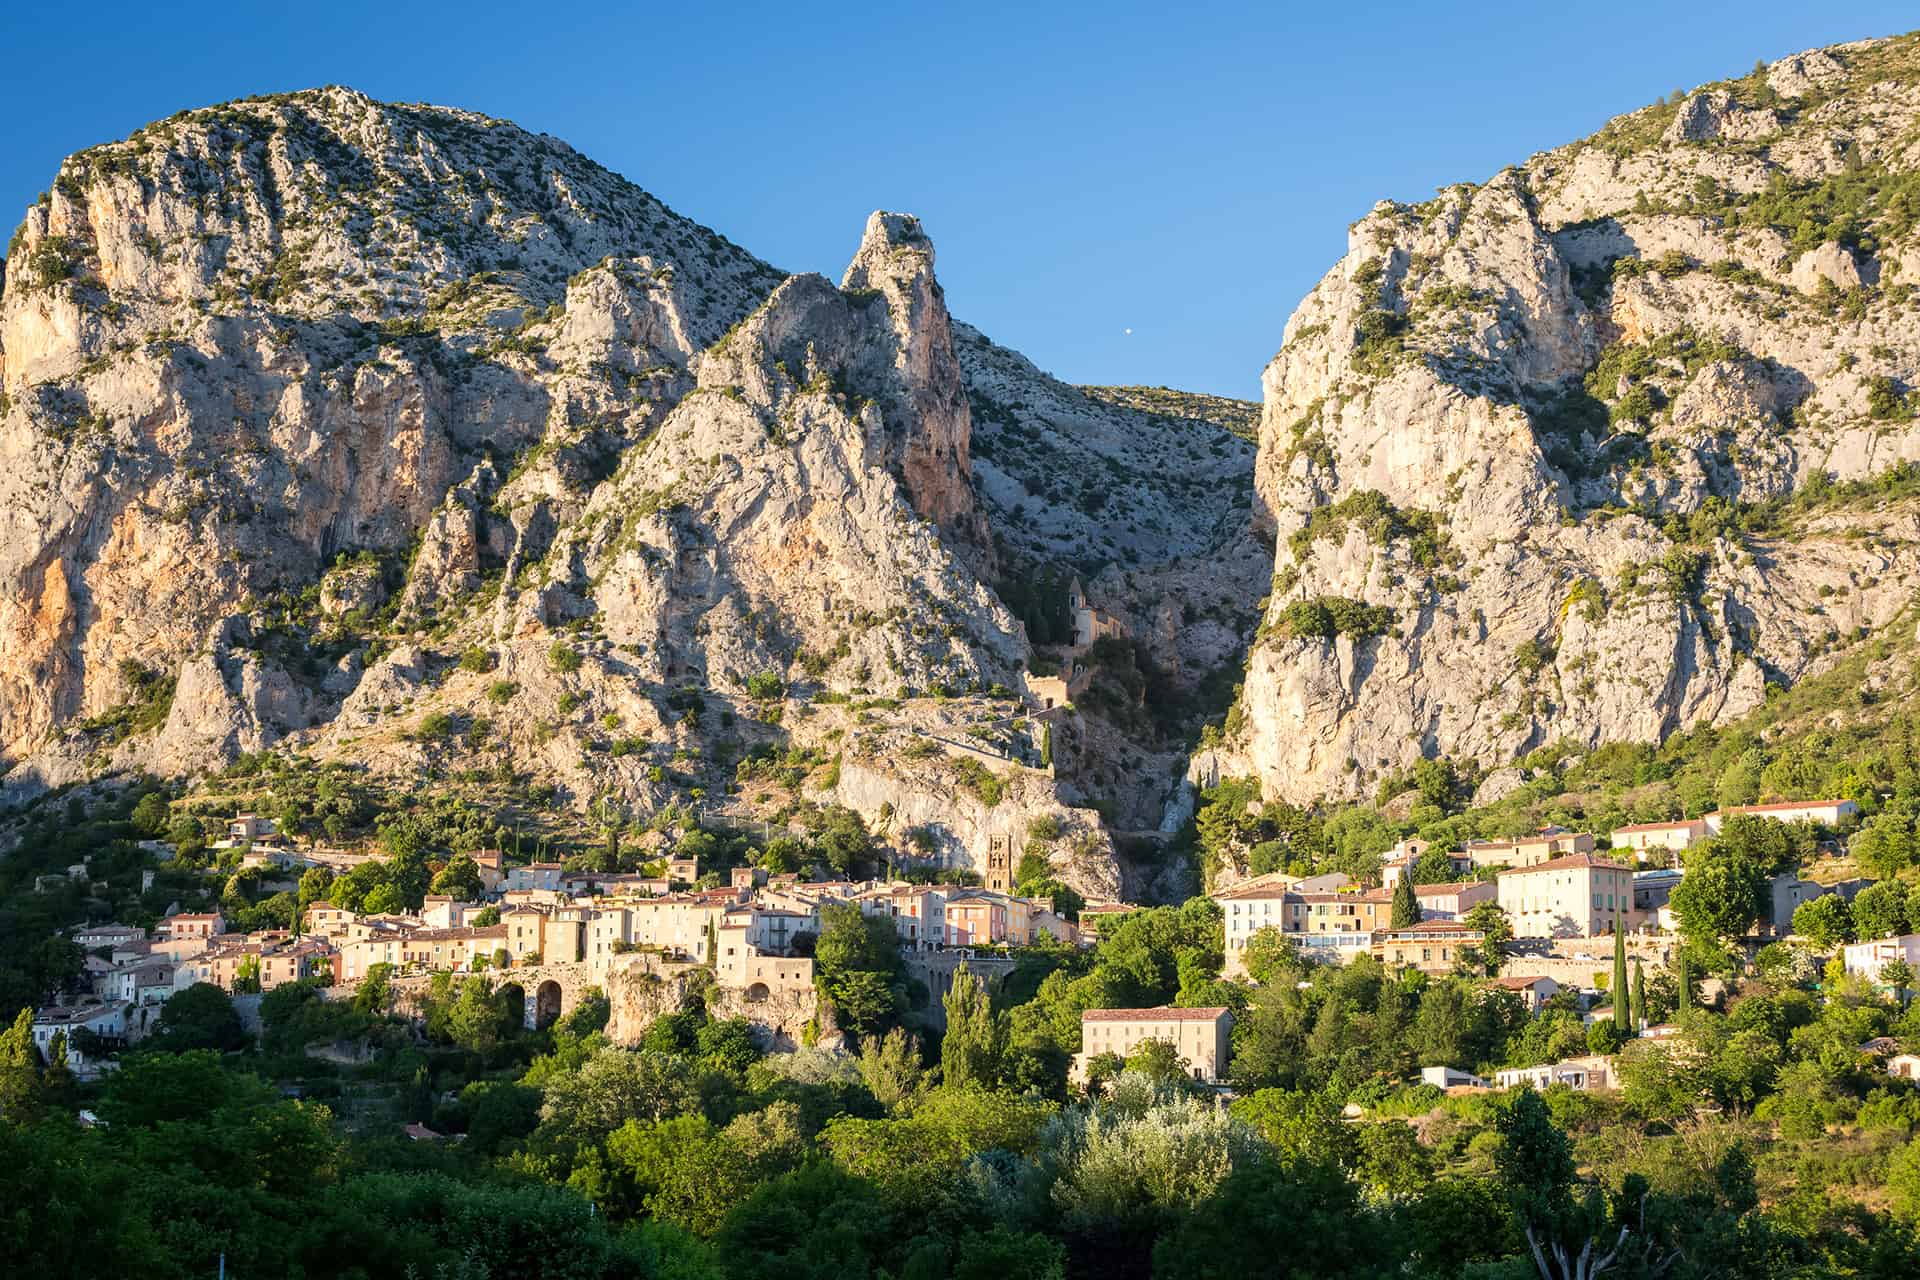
(1406, 907)
(1639, 1005)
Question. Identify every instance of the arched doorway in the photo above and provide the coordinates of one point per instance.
(757, 993)
(546, 1004)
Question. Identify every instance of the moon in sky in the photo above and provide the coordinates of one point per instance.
(1126, 331)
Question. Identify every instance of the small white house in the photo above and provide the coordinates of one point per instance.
(1867, 959)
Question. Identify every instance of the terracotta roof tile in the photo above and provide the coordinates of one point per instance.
(1164, 1013)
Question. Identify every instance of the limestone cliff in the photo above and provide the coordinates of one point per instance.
(398, 437)
(1568, 455)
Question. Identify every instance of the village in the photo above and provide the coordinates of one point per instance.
(1538, 917)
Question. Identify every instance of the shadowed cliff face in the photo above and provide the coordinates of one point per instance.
(1530, 447)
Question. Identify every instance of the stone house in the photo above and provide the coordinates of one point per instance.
(1432, 946)
(1533, 992)
(1202, 1037)
(535, 875)
(1527, 851)
(1671, 836)
(190, 925)
(1577, 895)
(1452, 901)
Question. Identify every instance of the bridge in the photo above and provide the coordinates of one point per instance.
(936, 969)
(543, 994)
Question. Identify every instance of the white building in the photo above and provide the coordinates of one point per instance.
(1866, 959)
(1585, 1073)
(108, 1021)
(1825, 813)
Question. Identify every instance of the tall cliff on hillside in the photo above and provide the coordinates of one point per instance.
(292, 371)
(404, 439)
(1588, 452)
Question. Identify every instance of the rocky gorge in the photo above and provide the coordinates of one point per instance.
(394, 437)
(398, 437)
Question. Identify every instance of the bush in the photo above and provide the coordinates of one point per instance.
(501, 692)
(765, 686)
(562, 658)
(1324, 617)
(476, 659)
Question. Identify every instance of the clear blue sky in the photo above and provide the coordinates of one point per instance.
(1186, 171)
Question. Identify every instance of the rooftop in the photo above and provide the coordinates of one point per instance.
(1781, 805)
(1567, 862)
(1164, 1013)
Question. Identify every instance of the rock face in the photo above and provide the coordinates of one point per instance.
(325, 420)
(255, 341)
(1529, 447)
(252, 339)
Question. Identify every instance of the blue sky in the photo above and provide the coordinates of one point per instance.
(1184, 171)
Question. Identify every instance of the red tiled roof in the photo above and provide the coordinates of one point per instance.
(1517, 984)
(1657, 826)
(1566, 861)
(1164, 1013)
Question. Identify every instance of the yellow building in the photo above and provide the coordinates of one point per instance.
(1527, 851)
(1432, 947)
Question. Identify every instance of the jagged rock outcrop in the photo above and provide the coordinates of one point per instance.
(398, 437)
(1528, 447)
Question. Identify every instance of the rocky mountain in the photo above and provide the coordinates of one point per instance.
(398, 436)
(1607, 446)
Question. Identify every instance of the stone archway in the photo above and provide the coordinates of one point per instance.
(758, 993)
(546, 1005)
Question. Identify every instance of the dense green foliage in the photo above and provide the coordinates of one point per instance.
(693, 1154)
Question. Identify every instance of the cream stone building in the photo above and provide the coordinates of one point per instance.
(1579, 895)
(1202, 1037)
(1673, 836)
(1527, 851)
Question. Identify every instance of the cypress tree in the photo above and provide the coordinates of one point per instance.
(1620, 1010)
(1639, 997)
(1684, 973)
(970, 1050)
(1406, 907)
